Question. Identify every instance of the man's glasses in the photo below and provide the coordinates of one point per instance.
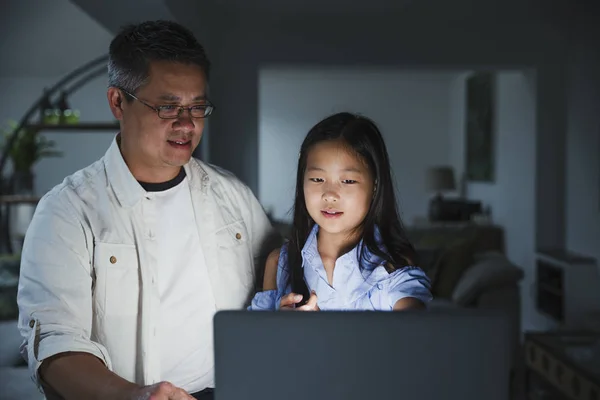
(174, 111)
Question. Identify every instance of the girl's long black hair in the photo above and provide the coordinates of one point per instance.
(362, 136)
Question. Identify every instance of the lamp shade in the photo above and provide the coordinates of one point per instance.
(439, 179)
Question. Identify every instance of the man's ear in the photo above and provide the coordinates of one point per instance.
(115, 102)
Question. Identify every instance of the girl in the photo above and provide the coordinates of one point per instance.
(347, 250)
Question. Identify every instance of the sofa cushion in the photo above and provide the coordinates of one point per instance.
(488, 270)
(428, 260)
(454, 260)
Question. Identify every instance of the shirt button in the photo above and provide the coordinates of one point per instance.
(113, 259)
(32, 323)
(238, 236)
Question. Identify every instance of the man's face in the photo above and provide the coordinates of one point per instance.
(155, 148)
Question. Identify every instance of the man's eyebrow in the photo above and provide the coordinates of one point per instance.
(169, 97)
(175, 98)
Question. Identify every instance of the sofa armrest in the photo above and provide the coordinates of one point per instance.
(507, 299)
(490, 270)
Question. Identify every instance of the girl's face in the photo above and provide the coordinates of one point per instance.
(338, 187)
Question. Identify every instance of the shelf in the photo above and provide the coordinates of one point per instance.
(549, 289)
(565, 256)
(82, 126)
(16, 199)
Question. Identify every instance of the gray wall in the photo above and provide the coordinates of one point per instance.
(512, 195)
(583, 140)
(411, 108)
(41, 50)
(248, 42)
(47, 38)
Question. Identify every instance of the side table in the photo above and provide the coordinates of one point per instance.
(562, 365)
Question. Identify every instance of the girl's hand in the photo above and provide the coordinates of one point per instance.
(289, 301)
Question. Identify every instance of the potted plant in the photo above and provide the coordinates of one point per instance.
(28, 148)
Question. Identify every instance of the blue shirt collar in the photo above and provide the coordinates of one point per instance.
(369, 260)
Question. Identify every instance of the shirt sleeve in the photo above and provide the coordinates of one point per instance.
(270, 299)
(408, 282)
(264, 301)
(55, 287)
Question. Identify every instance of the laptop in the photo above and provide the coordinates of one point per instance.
(420, 355)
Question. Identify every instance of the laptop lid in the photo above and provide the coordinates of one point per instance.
(421, 355)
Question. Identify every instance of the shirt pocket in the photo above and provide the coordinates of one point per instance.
(117, 278)
(235, 254)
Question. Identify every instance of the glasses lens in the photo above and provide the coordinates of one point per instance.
(201, 111)
(168, 111)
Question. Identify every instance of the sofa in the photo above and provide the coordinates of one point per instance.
(468, 268)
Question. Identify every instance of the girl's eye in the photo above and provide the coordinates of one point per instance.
(315, 179)
(348, 181)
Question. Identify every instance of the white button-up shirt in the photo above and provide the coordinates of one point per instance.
(89, 263)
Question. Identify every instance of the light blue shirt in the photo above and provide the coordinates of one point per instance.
(373, 288)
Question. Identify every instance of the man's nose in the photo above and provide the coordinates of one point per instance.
(185, 121)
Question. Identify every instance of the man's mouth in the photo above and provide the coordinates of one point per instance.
(181, 144)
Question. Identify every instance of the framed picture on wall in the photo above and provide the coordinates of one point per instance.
(480, 118)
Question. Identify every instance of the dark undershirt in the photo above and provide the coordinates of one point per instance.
(162, 186)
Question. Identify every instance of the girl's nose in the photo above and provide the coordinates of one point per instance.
(330, 196)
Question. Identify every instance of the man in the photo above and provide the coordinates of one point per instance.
(126, 262)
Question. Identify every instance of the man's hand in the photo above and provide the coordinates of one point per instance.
(289, 301)
(160, 391)
(74, 376)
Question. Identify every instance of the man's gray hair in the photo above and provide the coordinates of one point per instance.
(136, 46)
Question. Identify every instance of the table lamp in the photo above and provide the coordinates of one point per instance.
(438, 179)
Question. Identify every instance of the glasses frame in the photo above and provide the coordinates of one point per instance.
(209, 107)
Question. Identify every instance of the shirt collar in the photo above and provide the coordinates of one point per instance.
(127, 189)
(310, 250)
